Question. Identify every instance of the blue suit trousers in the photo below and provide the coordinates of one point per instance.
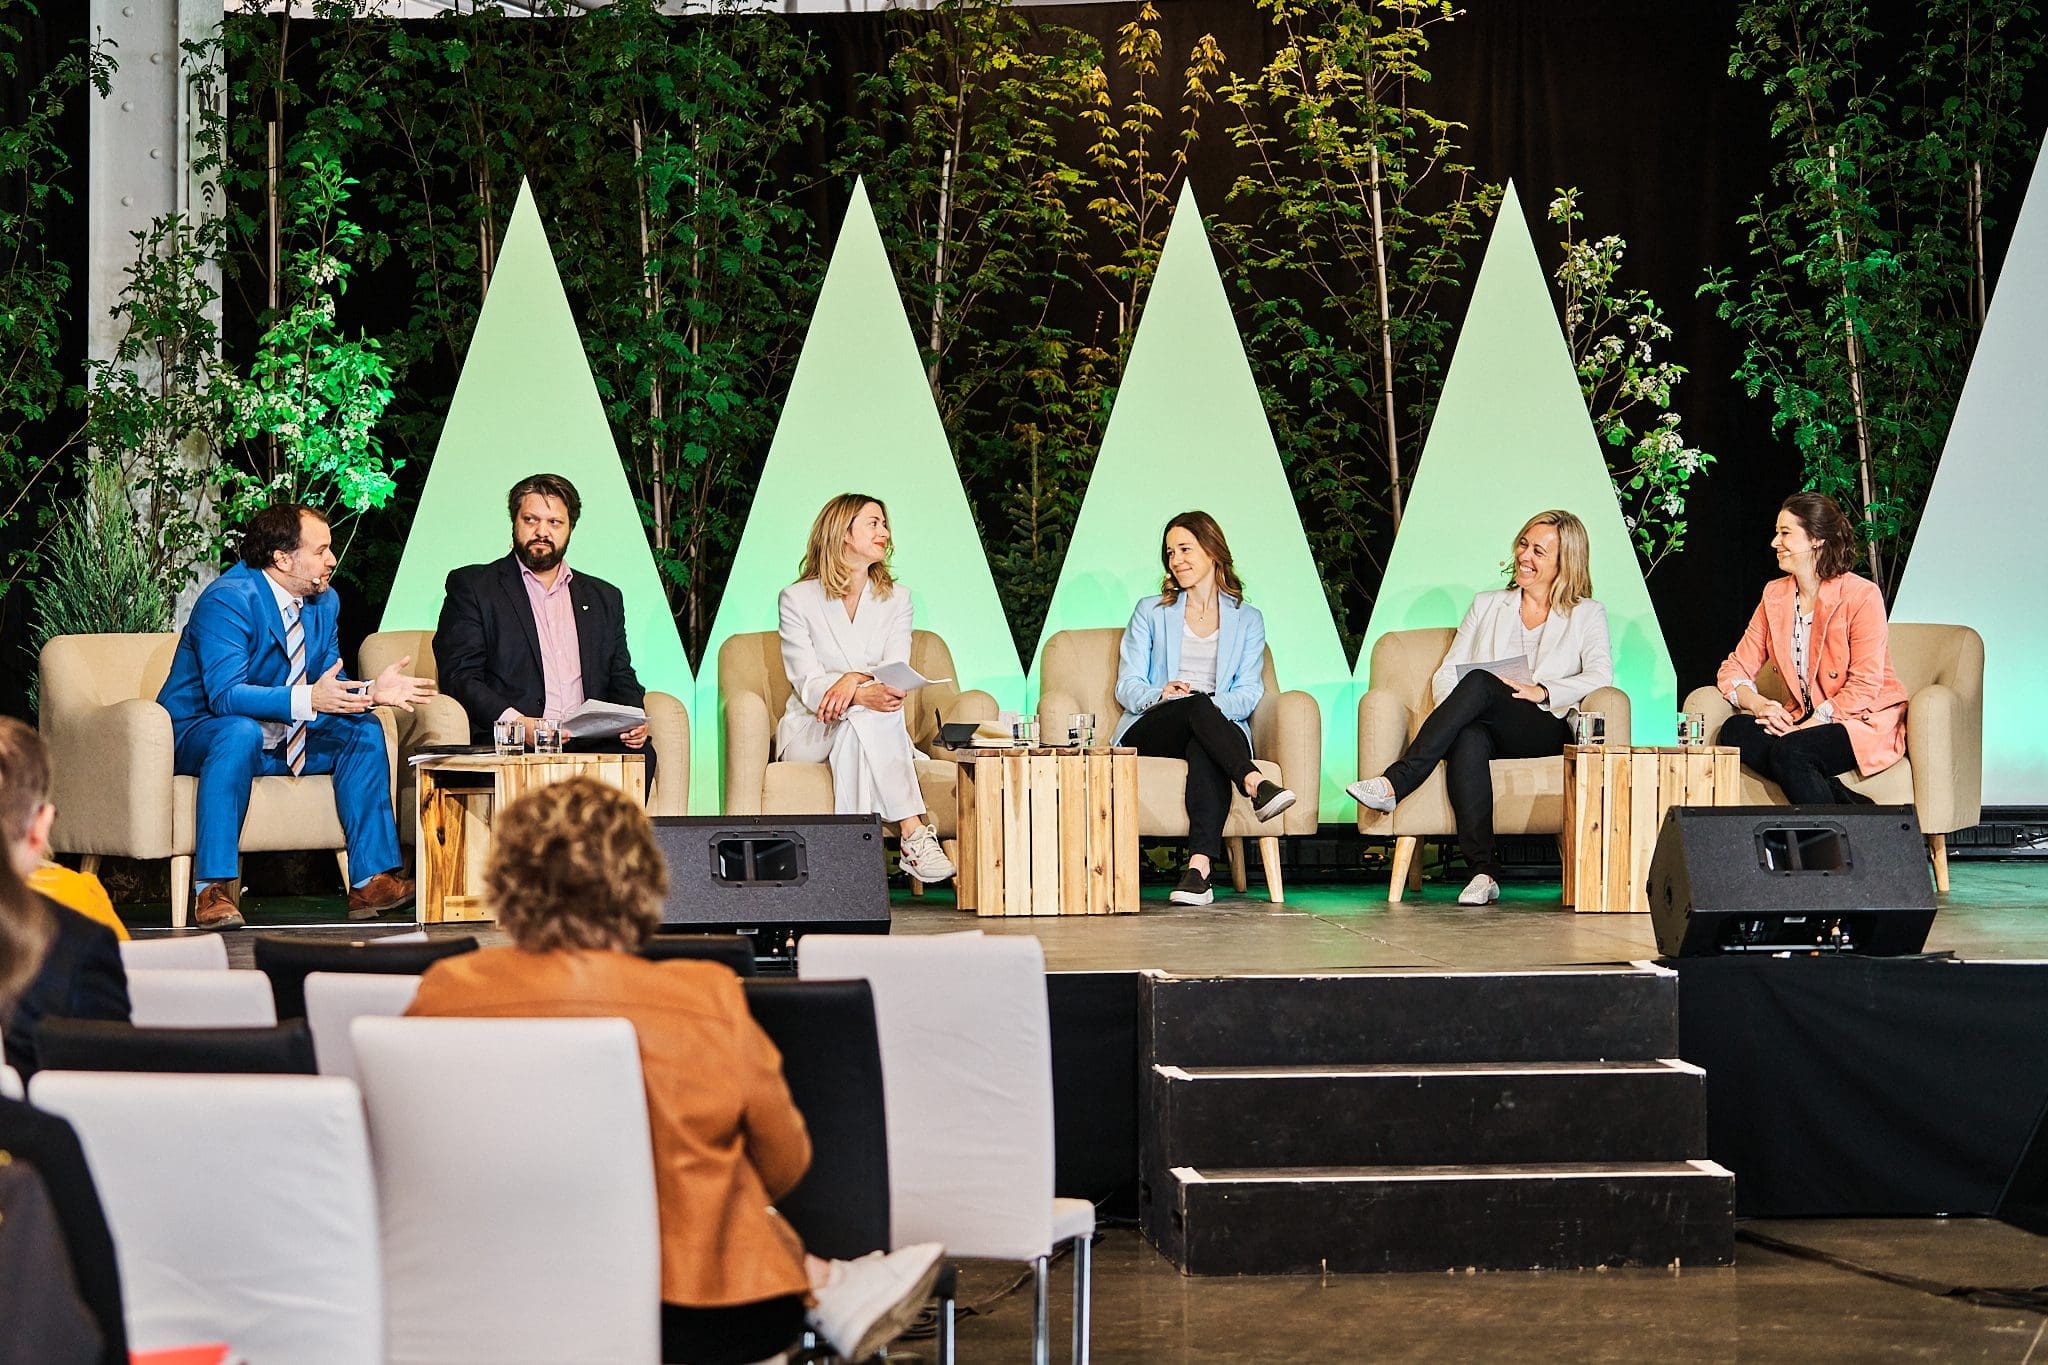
(226, 754)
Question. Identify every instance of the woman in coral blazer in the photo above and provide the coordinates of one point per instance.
(1824, 628)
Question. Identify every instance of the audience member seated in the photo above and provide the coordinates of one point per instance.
(45, 1143)
(80, 891)
(79, 975)
(576, 880)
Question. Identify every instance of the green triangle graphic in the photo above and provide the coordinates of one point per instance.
(526, 404)
(1188, 431)
(1512, 438)
(1986, 504)
(860, 418)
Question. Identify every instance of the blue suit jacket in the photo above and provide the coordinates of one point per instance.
(1150, 658)
(231, 659)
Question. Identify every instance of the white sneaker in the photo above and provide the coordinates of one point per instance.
(1481, 890)
(1374, 793)
(868, 1303)
(923, 858)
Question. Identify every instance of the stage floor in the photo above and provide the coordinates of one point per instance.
(1995, 910)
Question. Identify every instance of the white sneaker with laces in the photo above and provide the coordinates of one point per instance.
(1481, 890)
(869, 1302)
(923, 858)
(1374, 793)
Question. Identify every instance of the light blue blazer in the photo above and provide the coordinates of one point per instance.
(1150, 658)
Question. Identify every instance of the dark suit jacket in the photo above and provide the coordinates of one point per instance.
(231, 659)
(488, 650)
(49, 1144)
(81, 978)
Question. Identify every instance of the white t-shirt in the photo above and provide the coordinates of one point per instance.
(1198, 659)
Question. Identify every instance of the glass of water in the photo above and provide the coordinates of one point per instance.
(1084, 729)
(1692, 729)
(547, 737)
(1024, 733)
(509, 736)
(1590, 729)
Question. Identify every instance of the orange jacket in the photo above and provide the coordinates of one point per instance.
(1849, 655)
(728, 1140)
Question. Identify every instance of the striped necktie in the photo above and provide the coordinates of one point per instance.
(295, 646)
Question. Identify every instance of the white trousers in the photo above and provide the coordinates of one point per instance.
(874, 766)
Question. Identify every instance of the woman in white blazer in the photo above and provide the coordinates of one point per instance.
(844, 617)
(1549, 616)
(1189, 675)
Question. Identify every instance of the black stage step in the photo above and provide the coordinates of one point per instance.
(1477, 1112)
(1303, 1220)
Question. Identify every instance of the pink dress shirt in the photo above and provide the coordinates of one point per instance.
(561, 656)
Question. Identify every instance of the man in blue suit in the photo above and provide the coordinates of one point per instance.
(257, 690)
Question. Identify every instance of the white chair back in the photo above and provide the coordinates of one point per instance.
(188, 997)
(516, 1178)
(198, 952)
(242, 1208)
(10, 1083)
(410, 936)
(335, 999)
(967, 1071)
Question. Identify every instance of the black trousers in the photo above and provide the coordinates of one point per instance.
(1480, 721)
(1807, 764)
(1218, 757)
(730, 1336)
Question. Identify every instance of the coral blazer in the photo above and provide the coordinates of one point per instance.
(1848, 653)
(728, 1140)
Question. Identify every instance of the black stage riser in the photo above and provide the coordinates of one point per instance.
(1403, 1017)
(1580, 1112)
(1408, 1220)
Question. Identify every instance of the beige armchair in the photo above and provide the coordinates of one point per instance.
(441, 720)
(1528, 793)
(111, 761)
(1078, 673)
(1942, 774)
(754, 691)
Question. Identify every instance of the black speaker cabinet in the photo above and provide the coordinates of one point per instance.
(774, 878)
(1750, 879)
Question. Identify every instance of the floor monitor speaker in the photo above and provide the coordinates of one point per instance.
(774, 878)
(1748, 879)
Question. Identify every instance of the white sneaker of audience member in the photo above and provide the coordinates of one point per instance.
(862, 1305)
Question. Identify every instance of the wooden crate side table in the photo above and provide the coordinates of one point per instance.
(460, 794)
(1048, 831)
(1614, 802)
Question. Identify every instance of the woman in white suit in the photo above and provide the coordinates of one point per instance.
(844, 617)
(1189, 675)
(1547, 615)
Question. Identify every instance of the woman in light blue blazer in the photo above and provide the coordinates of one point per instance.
(1189, 676)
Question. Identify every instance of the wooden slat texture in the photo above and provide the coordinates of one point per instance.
(966, 879)
(1099, 835)
(1615, 803)
(1016, 835)
(1043, 774)
(1073, 833)
(1123, 817)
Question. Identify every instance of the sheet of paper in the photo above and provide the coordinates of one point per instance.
(601, 720)
(903, 677)
(1516, 670)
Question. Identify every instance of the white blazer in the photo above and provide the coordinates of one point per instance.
(820, 645)
(1572, 656)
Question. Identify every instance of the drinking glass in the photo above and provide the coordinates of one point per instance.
(1590, 728)
(1024, 733)
(1084, 729)
(1692, 728)
(509, 736)
(547, 737)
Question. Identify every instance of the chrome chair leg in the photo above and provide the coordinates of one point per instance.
(1084, 1265)
(945, 1351)
(1041, 1325)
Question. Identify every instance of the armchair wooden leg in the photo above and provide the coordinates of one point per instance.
(341, 861)
(1404, 862)
(916, 889)
(1937, 849)
(1269, 859)
(89, 864)
(1415, 868)
(181, 890)
(1234, 848)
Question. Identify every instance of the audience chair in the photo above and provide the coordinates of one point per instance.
(287, 960)
(242, 1209)
(515, 1175)
(1528, 793)
(733, 950)
(108, 1045)
(183, 997)
(1942, 774)
(965, 1016)
(753, 692)
(442, 721)
(335, 1000)
(1078, 673)
(197, 952)
(110, 766)
(10, 1082)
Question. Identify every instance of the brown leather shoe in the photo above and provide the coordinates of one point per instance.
(384, 892)
(219, 906)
